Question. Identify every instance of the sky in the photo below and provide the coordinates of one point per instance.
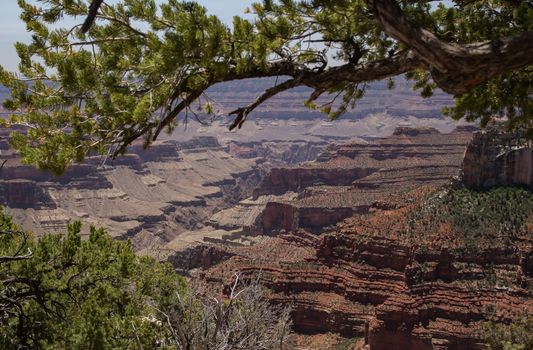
(12, 29)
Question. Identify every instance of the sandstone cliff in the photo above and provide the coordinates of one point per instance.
(498, 158)
(387, 278)
(347, 179)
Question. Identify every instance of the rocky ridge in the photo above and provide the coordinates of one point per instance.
(422, 267)
(346, 179)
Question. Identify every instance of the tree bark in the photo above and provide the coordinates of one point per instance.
(455, 68)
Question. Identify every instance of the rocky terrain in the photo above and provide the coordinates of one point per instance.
(371, 242)
(394, 236)
(149, 195)
(178, 188)
(346, 179)
(421, 265)
(497, 158)
(378, 278)
(172, 189)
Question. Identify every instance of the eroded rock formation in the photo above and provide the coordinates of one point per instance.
(379, 278)
(347, 179)
(498, 158)
(149, 195)
(411, 270)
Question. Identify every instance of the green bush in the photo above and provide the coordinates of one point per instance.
(63, 292)
(476, 216)
(516, 336)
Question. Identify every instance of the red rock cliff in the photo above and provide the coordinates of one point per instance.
(395, 282)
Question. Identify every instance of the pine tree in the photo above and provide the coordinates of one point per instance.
(141, 64)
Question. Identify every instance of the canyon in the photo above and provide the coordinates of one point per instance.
(349, 234)
(148, 195)
(399, 269)
(346, 179)
(181, 186)
(359, 225)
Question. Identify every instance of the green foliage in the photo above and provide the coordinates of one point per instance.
(142, 64)
(346, 344)
(508, 95)
(516, 336)
(76, 293)
(476, 217)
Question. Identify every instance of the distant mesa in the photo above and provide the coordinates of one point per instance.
(466, 128)
(414, 131)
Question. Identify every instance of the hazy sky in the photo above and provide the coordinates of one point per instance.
(12, 29)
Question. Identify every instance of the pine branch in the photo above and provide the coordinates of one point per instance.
(91, 16)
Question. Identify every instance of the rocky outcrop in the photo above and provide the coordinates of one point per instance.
(282, 180)
(352, 178)
(376, 279)
(498, 158)
(198, 256)
(24, 194)
(284, 216)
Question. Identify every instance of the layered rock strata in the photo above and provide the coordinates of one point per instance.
(347, 179)
(147, 195)
(413, 271)
(498, 158)
(373, 279)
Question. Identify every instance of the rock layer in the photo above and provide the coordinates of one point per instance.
(498, 158)
(396, 291)
(392, 276)
(347, 179)
(149, 196)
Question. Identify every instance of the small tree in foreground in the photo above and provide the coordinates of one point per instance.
(65, 292)
(141, 65)
(245, 320)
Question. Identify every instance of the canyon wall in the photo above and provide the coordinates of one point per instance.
(148, 195)
(350, 178)
(372, 277)
(400, 272)
(498, 158)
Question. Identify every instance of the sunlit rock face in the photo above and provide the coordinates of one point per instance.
(353, 177)
(498, 158)
(396, 285)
